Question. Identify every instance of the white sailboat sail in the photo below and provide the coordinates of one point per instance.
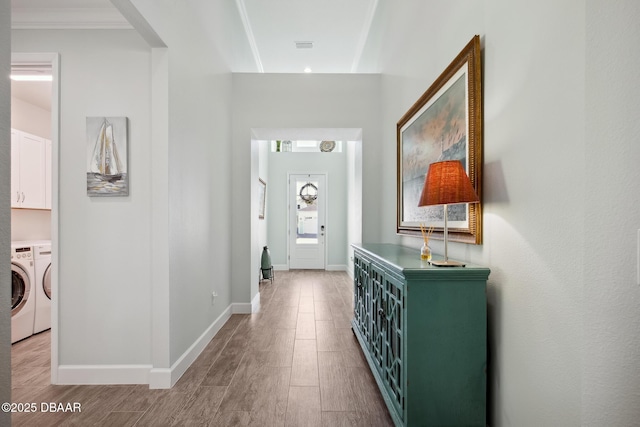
(106, 163)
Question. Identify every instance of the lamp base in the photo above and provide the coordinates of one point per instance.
(447, 263)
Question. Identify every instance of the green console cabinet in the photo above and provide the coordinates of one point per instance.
(423, 331)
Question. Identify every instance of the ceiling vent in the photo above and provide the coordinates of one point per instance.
(304, 45)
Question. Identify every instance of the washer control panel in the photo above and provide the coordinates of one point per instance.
(22, 252)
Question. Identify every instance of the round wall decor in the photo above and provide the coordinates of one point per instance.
(309, 193)
(327, 146)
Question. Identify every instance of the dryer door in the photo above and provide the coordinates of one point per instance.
(20, 288)
(46, 281)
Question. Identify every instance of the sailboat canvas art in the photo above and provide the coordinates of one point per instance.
(107, 156)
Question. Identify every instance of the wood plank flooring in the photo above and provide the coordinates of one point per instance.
(294, 363)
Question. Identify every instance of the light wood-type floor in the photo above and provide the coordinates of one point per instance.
(295, 363)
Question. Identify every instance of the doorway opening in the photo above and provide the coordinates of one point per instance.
(35, 109)
(340, 163)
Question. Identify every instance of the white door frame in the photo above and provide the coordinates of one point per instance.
(54, 60)
(290, 226)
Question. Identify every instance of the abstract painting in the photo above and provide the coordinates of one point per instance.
(444, 124)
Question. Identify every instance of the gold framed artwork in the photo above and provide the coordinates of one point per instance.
(445, 123)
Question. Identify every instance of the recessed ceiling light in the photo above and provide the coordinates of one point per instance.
(307, 69)
(304, 44)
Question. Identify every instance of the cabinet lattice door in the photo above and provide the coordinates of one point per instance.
(393, 344)
(362, 297)
(378, 323)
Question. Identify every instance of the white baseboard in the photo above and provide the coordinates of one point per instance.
(145, 374)
(160, 378)
(142, 374)
(246, 307)
(103, 374)
(331, 267)
(241, 308)
(255, 303)
(188, 357)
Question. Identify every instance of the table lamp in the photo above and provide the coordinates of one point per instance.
(447, 183)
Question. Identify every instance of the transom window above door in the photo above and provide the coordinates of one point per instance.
(305, 146)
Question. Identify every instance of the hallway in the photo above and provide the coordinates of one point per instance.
(295, 363)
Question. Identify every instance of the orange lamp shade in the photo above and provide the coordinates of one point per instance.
(447, 183)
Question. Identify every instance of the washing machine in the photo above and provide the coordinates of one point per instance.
(42, 286)
(22, 291)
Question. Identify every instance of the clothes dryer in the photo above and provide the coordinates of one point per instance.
(42, 286)
(22, 294)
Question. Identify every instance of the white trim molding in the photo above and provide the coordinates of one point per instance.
(246, 307)
(103, 374)
(157, 378)
(68, 19)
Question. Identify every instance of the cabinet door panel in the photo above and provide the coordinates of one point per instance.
(378, 323)
(31, 160)
(48, 175)
(361, 297)
(15, 169)
(394, 345)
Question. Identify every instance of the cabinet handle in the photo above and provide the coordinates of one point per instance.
(17, 197)
(23, 197)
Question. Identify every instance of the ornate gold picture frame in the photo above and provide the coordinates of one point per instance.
(444, 124)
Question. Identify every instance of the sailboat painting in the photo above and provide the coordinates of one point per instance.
(107, 156)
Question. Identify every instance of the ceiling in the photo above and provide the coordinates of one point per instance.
(335, 29)
(285, 36)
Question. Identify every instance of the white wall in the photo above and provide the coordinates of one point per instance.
(290, 101)
(199, 167)
(611, 351)
(30, 224)
(5, 188)
(104, 262)
(334, 164)
(563, 321)
(533, 92)
(31, 118)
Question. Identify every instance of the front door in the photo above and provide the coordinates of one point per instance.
(307, 230)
